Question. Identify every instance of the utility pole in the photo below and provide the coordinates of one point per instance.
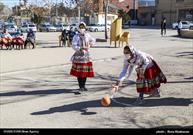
(78, 6)
(134, 17)
(56, 8)
(106, 12)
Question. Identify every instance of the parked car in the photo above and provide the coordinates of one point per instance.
(1, 28)
(74, 27)
(129, 23)
(185, 25)
(26, 27)
(126, 25)
(16, 34)
(47, 27)
(98, 27)
(11, 28)
(61, 27)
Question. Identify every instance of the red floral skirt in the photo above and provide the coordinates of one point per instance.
(82, 70)
(5, 41)
(17, 41)
(152, 80)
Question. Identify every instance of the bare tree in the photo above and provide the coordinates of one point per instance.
(25, 2)
(1, 7)
(38, 14)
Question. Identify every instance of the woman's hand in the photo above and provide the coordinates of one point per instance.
(115, 88)
(86, 46)
(83, 51)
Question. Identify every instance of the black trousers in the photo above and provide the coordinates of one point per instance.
(29, 41)
(163, 31)
(81, 82)
(64, 41)
(179, 33)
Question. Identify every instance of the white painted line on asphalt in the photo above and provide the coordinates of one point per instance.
(128, 105)
(32, 69)
(53, 66)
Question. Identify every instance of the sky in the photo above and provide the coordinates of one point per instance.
(12, 3)
(9, 2)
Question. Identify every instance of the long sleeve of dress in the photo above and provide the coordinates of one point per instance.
(91, 40)
(75, 43)
(146, 60)
(126, 67)
(130, 70)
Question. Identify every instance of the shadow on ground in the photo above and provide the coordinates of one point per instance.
(180, 37)
(38, 92)
(189, 77)
(82, 106)
(174, 126)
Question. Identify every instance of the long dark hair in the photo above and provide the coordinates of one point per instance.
(127, 48)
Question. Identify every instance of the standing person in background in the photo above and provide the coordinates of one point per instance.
(179, 27)
(71, 34)
(82, 66)
(163, 27)
(30, 39)
(64, 37)
(129, 24)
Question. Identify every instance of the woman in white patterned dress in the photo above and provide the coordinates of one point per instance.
(82, 66)
(149, 74)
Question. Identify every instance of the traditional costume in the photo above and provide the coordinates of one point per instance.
(82, 66)
(6, 39)
(146, 67)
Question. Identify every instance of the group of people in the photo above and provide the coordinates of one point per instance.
(5, 39)
(149, 74)
(67, 36)
(163, 27)
(8, 40)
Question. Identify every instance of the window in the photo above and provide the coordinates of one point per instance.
(184, 23)
(178, 1)
(31, 25)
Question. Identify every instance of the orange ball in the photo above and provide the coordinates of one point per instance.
(105, 101)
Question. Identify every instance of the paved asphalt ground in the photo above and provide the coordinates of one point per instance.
(36, 90)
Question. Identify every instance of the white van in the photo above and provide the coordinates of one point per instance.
(11, 28)
(185, 25)
(26, 27)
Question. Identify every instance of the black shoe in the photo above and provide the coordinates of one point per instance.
(77, 92)
(81, 89)
(155, 93)
(85, 89)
